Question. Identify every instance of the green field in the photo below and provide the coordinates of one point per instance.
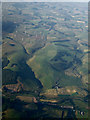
(45, 55)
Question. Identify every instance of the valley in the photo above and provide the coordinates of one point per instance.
(45, 60)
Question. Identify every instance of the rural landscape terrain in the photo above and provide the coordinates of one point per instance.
(45, 60)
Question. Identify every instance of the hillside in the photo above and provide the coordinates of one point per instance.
(45, 59)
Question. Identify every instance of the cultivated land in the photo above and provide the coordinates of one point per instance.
(45, 60)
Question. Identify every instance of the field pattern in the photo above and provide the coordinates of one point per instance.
(45, 60)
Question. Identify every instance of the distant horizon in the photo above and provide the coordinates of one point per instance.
(46, 1)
